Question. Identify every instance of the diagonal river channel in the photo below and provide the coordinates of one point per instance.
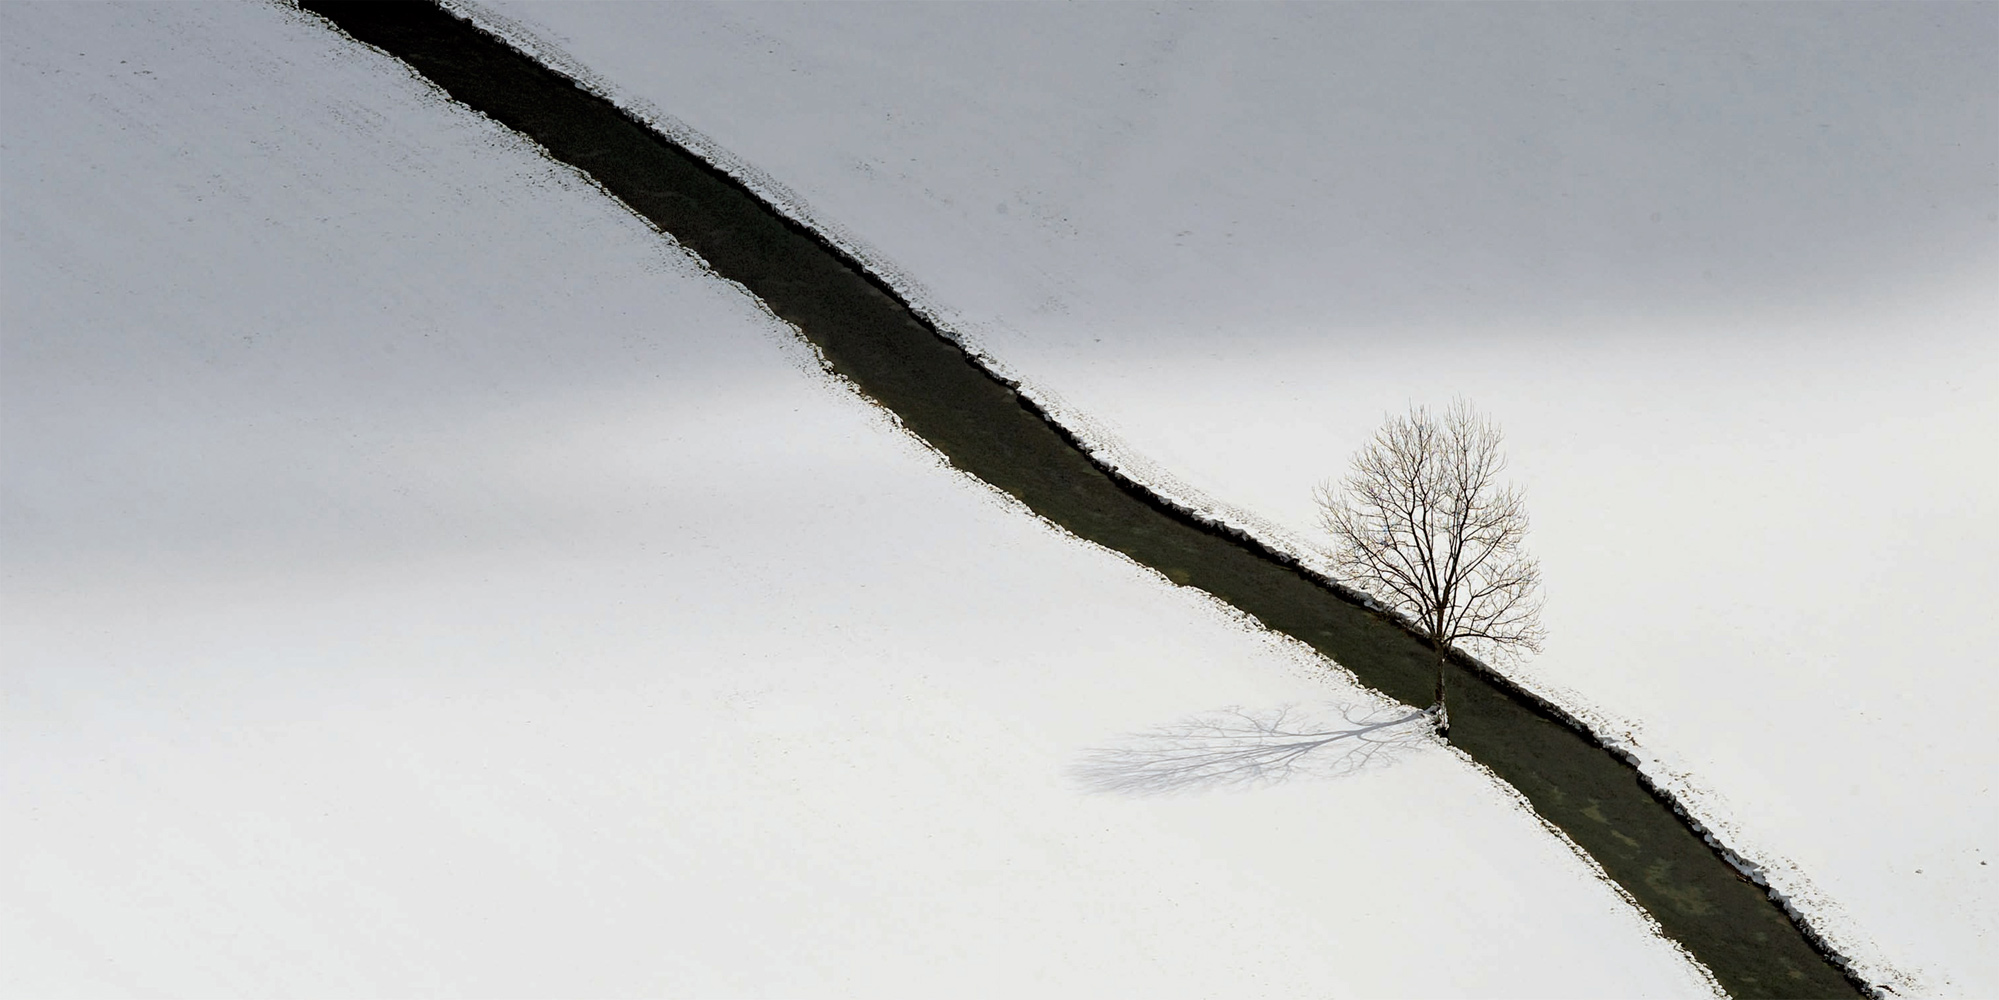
(986, 429)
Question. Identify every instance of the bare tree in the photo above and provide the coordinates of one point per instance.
(1422, 523)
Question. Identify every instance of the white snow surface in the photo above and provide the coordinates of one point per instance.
(421, 577)
(1724, 273)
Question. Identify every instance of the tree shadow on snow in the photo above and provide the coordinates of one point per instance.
(1241, 748)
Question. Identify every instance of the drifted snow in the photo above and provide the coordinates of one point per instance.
(420, 577)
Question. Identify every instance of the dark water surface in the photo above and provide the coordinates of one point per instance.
(987, 430)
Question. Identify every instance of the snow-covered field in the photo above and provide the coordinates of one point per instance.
(421, 578)
(1725, 273)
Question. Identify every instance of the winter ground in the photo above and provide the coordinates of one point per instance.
(1723, 273)
(420, 578)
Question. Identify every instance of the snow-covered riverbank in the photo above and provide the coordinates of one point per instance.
(420, 577)
(1717, 270)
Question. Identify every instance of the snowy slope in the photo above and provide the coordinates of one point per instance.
(421, 578)
(1724, 273)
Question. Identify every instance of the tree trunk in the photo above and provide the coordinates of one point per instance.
(1439, 710)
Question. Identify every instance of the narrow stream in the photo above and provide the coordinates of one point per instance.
(983, 427)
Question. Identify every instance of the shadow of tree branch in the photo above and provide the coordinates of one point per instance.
(1238, 747)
